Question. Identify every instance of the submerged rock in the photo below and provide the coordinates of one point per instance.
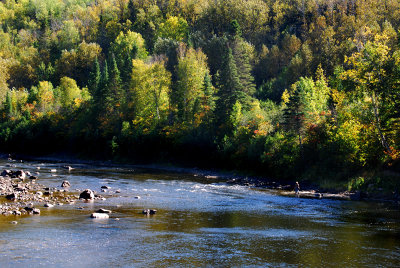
(149, 211)
(68, 167)
(87, 195)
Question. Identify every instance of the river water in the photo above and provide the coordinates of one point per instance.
(199, 222)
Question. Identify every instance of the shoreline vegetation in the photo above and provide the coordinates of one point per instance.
(304, 91)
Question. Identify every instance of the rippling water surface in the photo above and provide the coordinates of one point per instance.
(200, 222)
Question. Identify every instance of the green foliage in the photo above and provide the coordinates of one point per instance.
(191, 70)
(283, 88)
(174, 28)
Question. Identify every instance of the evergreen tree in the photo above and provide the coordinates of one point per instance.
(8, 105)
(132, 11)
(126, 72)
(115, 94)
(294, 115)
(100, 95)
(230, 91)
(244, 68)
(94, 78)
(208, 98)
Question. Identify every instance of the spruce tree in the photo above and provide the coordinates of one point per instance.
(114, 93)
(208, 99)
(244, 68)
(8, 104)
(230, 91)
(99, 97)
(294, 115)
(132, 11)
(94, 78)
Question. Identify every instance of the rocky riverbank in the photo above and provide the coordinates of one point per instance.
(20, 193)
(285, 188)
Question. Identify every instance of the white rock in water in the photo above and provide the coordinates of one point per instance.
(48, 205)
(36, 211)
(53, 170)
(137, 197)
(14, 222)
(99, 216)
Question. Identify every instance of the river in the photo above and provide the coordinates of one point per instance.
(199, 222)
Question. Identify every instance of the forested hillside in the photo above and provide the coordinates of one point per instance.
(285, 88)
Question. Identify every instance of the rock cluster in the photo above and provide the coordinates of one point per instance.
(21, 192)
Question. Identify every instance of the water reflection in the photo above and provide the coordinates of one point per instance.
(200, 222)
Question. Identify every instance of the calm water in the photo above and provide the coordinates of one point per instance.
(200, 222)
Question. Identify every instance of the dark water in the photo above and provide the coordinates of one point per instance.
(200, 222)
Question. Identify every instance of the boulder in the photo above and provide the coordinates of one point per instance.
(36, 211)
(99, 216)
(17, 213)
(19, 174)
(68, 167)
(28, 209)
(33, 177)
(102, 210)
(87, 194)
(65, 184)
(6, 172)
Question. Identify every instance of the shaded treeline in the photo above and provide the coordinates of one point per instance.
(298, 88)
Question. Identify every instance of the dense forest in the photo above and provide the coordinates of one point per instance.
(292, 89)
